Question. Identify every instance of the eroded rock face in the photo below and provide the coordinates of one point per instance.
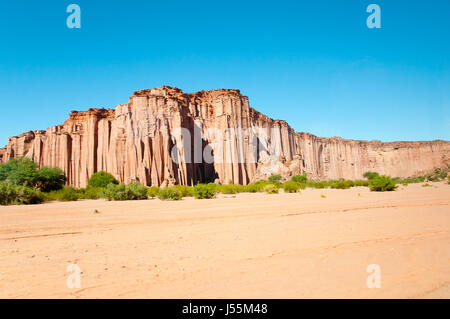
(163, 136)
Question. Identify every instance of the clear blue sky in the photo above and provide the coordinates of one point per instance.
(312, 63)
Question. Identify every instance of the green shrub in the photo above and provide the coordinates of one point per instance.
(186, 191)
(91, 192)
(117, 192)
(299, 178)
(228, 189)
(382, 183)
(291, 187)
(341, 184)
(153, 191)
(49, 179)
(68, 194)
(409, 180)
(7, 193)
(275, 178)
(101, 179)
(137, 190)
(251, 188)
(24, 172)
(261, 184)
(318, 185)
(16, 194)
(271, 189)
(361, 183)
(204, 191)
(19, 171)
(27, 195)
(371, 175)
(170, 193)
(134, 191)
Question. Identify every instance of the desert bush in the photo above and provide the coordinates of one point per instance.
(134, 191)
(271, 189)
(426, 185)
(68, 194)
(19, 171)
(342, 184)
(16, 194)
(49, 179)
(24, 172)
(169, 193)
(91, 192)
(261, 184)
(299, 178)
(291, 187)
(318, 185)
(417, 179)
(152, 191)
(251, 188)
(138, 191)
(7, 193)
(228, 189)
(117, 192)
(382, 183)
(101, 179)
(361, 183)
(27, 195)
(275, 178)
(186, 191)
(371, 175)
(204, 191)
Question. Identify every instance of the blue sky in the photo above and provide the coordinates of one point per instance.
(312, 63)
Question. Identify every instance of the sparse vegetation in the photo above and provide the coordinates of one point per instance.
(152, 191)
(22, 195)
(275, 178)
(22, 182)
(24, 172)
(134, 191)
(204, 191)
(299, 178)
(271, 189)
(101, 180)
(382, 184)
(170, 193)
(371, 175)
(291, 187)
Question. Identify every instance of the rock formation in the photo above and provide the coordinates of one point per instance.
(163, 136)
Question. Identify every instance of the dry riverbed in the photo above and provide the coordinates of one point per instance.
(315, 244)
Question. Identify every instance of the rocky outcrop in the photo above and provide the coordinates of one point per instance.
(164, 136)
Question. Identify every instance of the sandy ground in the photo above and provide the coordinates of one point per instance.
(244, 246)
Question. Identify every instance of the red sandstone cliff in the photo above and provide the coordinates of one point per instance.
(140, 140)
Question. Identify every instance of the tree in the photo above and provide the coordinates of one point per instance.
(19, 171)
(50, 179)
(101, 179)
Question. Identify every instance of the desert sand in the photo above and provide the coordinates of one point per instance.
(235, 246)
